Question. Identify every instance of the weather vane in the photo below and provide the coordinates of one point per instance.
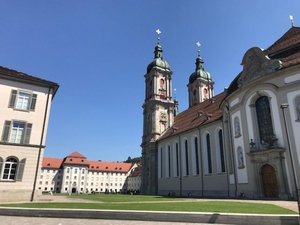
(292, 20)
(158, 33)
(198, 46)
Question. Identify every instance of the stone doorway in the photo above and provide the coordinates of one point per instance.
(269, 181)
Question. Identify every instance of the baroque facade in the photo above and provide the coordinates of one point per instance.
(239, 143)
(25, 105)
(76, 174)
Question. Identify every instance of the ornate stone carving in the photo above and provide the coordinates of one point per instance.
(255, 65)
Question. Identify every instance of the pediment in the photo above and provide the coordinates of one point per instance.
(256, 65)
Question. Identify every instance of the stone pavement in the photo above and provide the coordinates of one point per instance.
(11, 220)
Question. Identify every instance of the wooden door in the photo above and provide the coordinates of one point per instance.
(269, 180)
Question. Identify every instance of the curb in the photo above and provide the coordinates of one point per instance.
(188, 217)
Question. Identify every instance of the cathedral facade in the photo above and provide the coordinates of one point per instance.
(239, 143)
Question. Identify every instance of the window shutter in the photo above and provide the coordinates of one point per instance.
(27, 133)
(20, 169)
(33, 102)
(13, 97)
(6, 129)
(1, 164)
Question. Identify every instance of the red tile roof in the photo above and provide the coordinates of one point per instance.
(75, 158)
(51, 163)
(198, 115)
(110, 166)
(286, 48)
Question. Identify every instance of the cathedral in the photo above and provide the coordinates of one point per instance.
(242, 142)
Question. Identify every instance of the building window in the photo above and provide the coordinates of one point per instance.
(161, 162)
(221, 151)
(16, 132)
(169, 161)
(186, 157)
(13, 169)
(264, 120)
(196, 155)
(208, 149)
(177, 160)
(22, 100)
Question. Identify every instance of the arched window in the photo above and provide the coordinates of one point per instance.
(177, 160)
(1, 164)
(169, 161)
(186, 157)
(208, 149)
(222, 157)
(264, 120)
(10, 169)
(196, 155)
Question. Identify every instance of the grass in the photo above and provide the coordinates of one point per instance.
(211, 206)
(157, 203)
(123, 198)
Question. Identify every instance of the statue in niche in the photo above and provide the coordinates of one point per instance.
(298, 109)
(237, 127)
(240, 157)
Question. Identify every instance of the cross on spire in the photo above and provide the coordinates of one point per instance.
(291, 19)
(198, 46)
(158, 37)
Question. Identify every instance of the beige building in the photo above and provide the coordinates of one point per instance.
(24, 108)
(242, 142)
(76, 174)
(134, 180)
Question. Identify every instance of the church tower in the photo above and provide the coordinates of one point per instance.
(158, 110)
(200, 86)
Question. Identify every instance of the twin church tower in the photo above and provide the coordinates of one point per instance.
(160, 109)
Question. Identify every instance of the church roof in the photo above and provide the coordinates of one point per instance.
(286, 49)
(204, 113)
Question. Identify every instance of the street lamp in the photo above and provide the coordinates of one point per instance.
(283, 107)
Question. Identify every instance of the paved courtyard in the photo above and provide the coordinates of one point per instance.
(10, 220)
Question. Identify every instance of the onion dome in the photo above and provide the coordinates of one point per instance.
(158, 60)
(199, 72)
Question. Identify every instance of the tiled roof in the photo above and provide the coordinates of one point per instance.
(75, 158)
(109, 166)
(198, 115)
(76, 154)
(51, 163)
(26, 78)
(286, 48)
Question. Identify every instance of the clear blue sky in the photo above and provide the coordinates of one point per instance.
(98, 52)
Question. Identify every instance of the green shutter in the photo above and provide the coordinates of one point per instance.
(27, 133)
(20, 169)
(5, 134)
(13, 97)
(1, 164)
(33, 102)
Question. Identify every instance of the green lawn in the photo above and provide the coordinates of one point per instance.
(123, 198)
(194, 206)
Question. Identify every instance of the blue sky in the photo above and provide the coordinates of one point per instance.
(98, 52)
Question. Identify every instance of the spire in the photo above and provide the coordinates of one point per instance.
(158, 49)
